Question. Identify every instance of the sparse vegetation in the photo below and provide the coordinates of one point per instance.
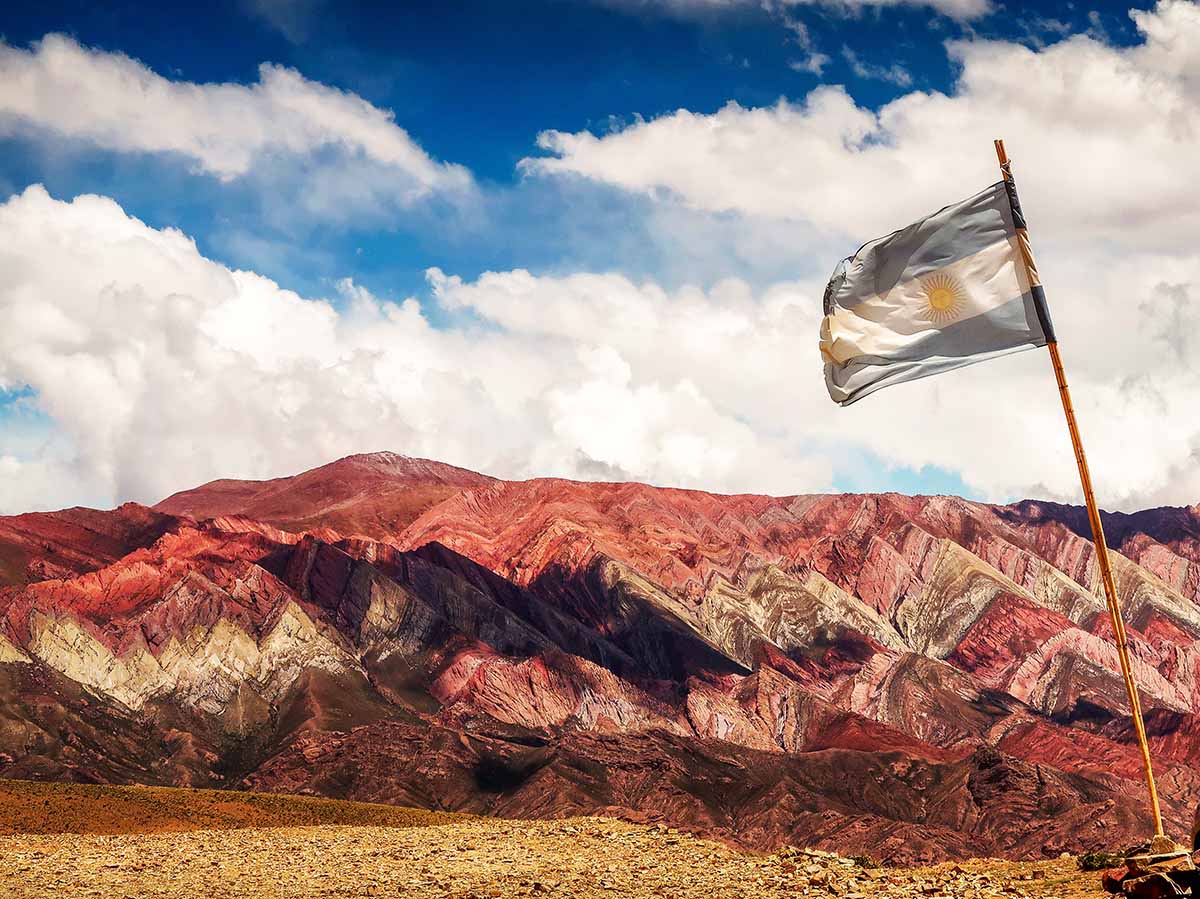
(1100, 861)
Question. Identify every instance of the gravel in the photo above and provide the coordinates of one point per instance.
(579, 858)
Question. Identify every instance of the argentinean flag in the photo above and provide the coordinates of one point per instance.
(950, 290)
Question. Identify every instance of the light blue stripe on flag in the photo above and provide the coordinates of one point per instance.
(947, 291)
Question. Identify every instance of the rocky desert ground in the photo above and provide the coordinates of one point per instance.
(149, 850)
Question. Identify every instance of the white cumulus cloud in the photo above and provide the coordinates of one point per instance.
(161, 369)
(352, 152)
(1102, 136)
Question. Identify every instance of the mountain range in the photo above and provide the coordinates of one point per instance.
(913, 678)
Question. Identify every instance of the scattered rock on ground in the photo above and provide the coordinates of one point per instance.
(585, 858)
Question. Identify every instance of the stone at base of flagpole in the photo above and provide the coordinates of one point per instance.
(1154, 886)
(1162, 845)
(1162, 869)
(1160, 862)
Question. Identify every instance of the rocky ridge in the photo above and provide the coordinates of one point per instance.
(911, 677)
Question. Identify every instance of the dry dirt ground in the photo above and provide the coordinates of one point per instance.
(27, 807)
(431, 855)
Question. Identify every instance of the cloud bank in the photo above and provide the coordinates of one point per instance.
(160, 368)
(164, 369)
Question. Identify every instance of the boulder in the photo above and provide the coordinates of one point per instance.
(1152, 886)
(1113, 878)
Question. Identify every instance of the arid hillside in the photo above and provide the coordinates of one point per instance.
(915, 678)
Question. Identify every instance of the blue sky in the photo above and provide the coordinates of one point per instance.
(475, 82)
(472, 85)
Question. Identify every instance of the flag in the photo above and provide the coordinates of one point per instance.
(947, 291)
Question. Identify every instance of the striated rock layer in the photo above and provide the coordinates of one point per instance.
(911, 677)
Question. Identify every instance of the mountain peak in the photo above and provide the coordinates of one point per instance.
(401, 465)
(375, 494)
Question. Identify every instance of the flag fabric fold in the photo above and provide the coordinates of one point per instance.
(949, 290)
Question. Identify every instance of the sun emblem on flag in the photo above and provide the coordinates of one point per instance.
(945, 298)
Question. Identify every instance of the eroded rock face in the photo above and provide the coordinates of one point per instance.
(918, 677)
(43, 545)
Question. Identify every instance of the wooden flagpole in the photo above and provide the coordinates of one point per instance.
(1085, 479)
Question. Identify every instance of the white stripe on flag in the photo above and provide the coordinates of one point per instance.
(885, 325)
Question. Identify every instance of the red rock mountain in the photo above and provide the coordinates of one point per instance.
(376, 495)
(910, 677)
